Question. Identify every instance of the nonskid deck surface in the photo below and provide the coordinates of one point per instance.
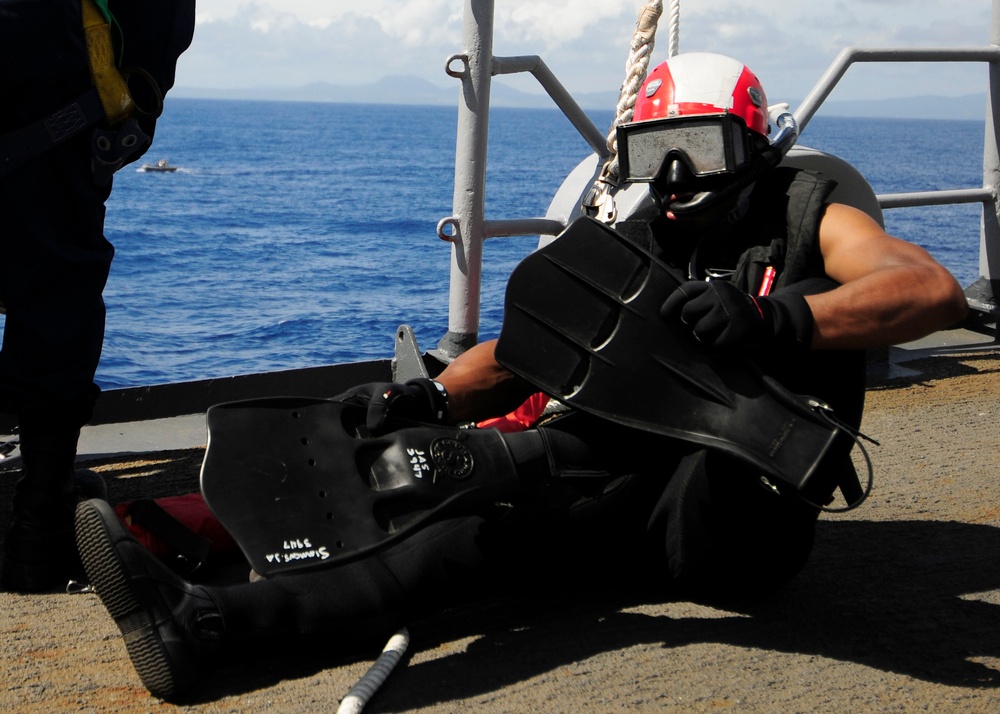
(898, 609)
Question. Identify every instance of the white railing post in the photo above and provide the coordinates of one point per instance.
(984, 293)
(474, 67)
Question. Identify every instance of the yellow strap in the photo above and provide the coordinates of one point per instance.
(108, 81)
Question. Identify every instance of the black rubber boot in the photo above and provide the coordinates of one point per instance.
(39, 549)
(171, 627)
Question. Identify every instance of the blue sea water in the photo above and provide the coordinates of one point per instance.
(301, 234)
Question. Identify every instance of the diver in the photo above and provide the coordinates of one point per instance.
(767, 270)
(82, 85)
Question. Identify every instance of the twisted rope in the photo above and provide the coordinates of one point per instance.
(598, 200)
(674, 28)
(636, 67)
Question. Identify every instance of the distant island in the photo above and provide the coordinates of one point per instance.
(406, 89)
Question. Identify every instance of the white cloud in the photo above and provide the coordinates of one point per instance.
(584, 42)
(556, 22)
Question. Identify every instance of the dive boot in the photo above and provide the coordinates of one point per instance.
(170, 626)
(39, 552)
(40, 547)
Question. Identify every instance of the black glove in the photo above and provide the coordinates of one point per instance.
(420, 399)
(721, 315)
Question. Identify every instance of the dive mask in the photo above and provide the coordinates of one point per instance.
(709, 145)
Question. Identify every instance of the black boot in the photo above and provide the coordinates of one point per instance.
(171, 627)
(39, 549)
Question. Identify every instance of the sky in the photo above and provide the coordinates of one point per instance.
(278, 43)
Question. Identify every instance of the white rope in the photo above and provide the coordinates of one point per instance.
(640, 50)
(355, 700)
(674, 28)
(599, 201)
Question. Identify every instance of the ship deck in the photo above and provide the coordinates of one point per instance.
(897, 610)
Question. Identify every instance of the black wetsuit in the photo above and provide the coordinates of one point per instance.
(661, 508)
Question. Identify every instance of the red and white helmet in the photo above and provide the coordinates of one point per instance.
(698, 83)
(699, 133)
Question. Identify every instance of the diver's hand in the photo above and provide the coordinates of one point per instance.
(721, 315)
(420, 399)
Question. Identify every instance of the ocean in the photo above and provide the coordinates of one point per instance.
(298, 234)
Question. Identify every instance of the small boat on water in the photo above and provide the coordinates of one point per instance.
(161, 166)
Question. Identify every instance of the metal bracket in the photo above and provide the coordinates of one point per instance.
(407, 362)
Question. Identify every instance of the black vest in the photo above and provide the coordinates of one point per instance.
(781, 229)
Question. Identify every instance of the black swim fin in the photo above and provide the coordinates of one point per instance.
(582, 323)
(299, 483)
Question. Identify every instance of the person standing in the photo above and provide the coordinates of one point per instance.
(81, 87)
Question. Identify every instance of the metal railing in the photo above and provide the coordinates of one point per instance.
(467, 228)
(982, 295)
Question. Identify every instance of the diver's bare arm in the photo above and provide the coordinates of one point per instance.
(891, 291)
(479, 388)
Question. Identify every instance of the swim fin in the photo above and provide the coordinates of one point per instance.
(299, 482)
(582, 323)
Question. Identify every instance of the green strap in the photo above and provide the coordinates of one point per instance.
(102, 5)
